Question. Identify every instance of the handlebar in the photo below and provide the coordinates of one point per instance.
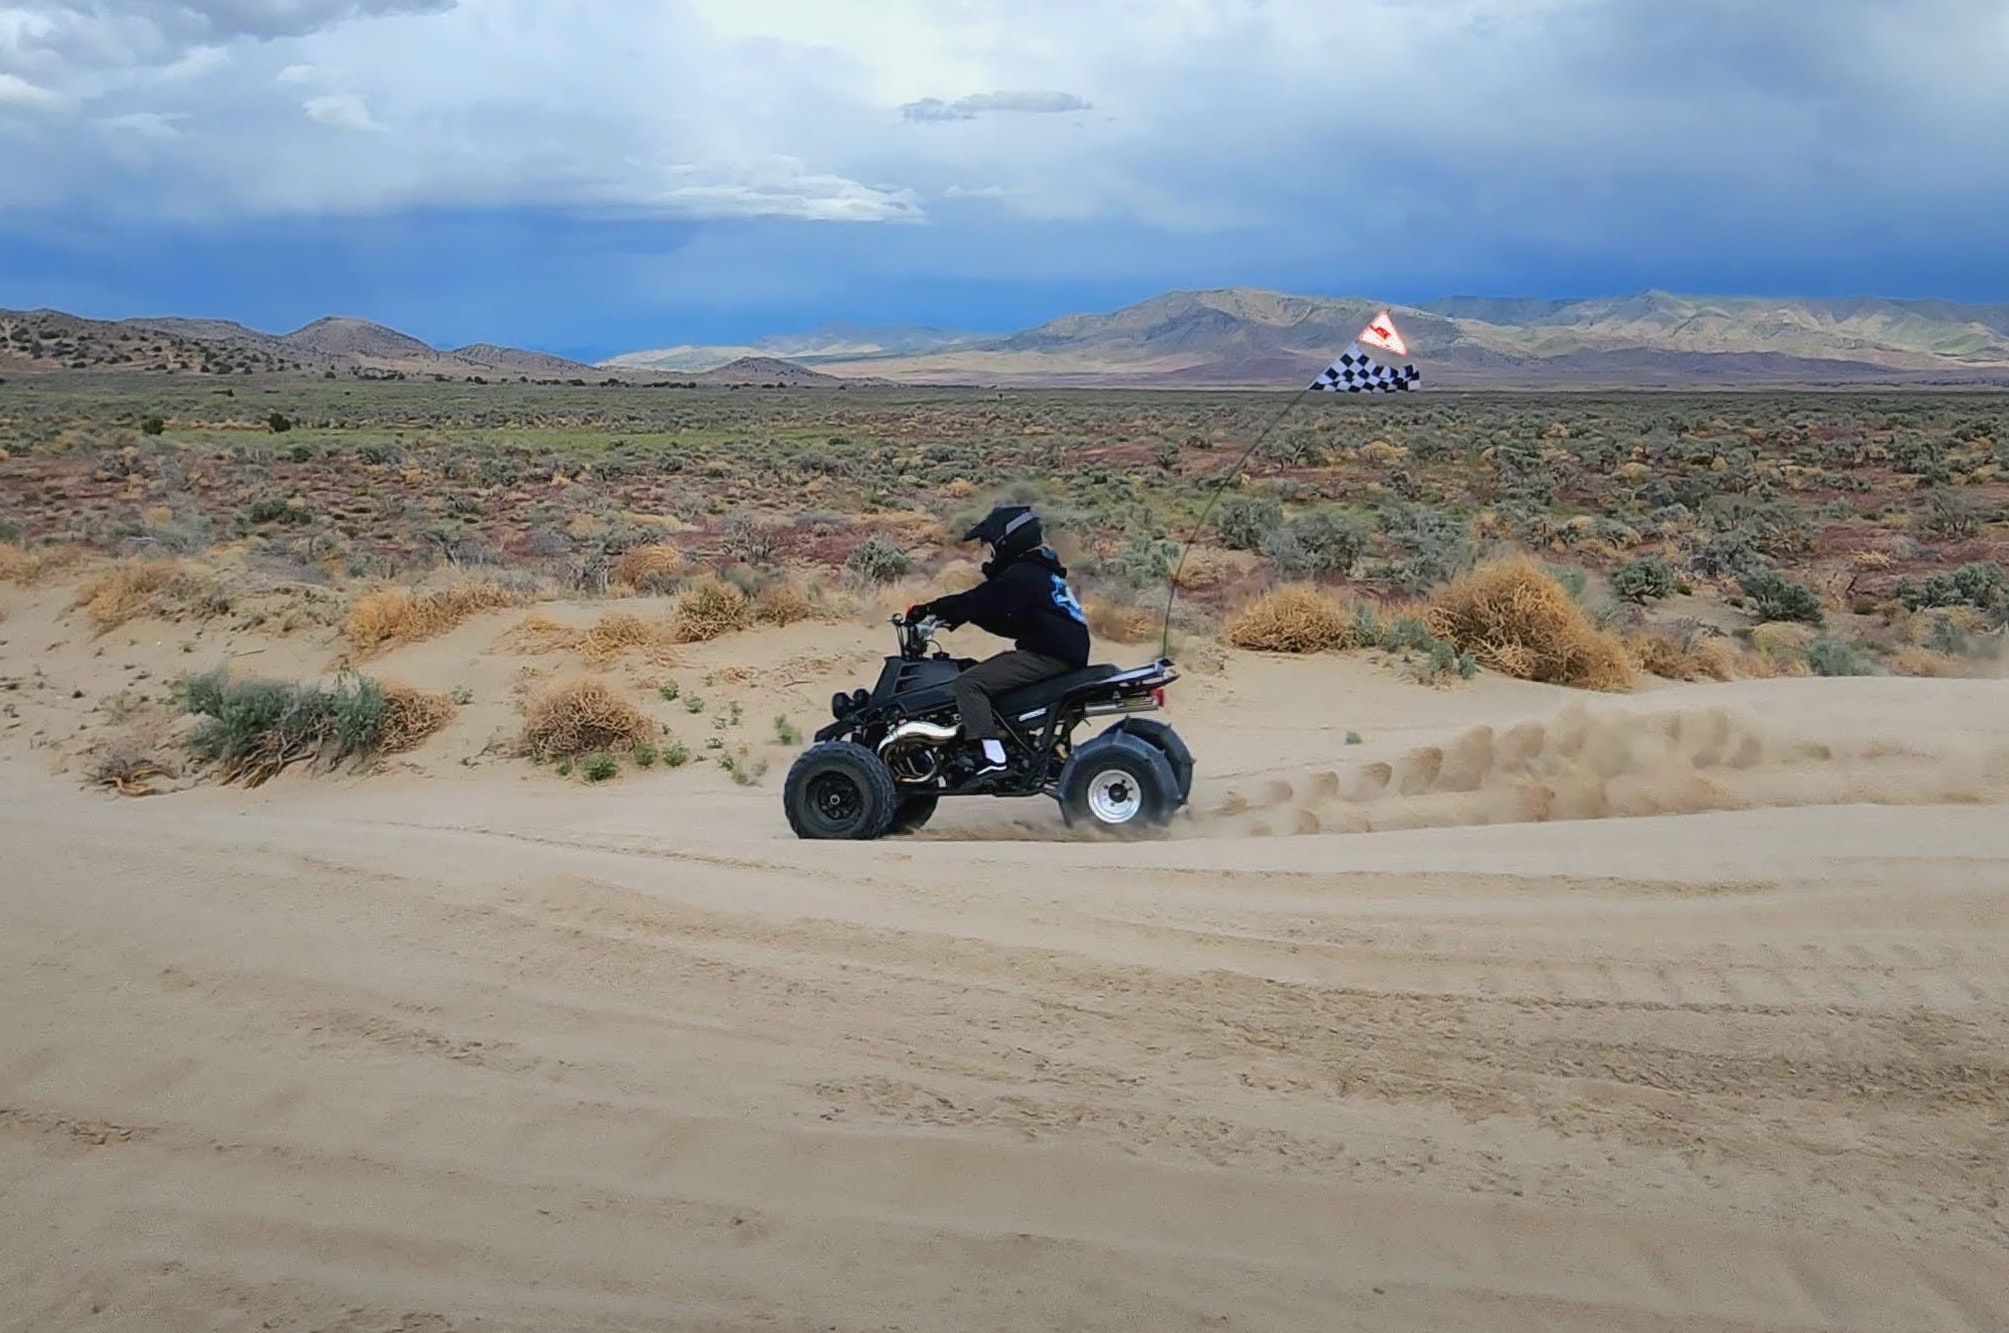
(915, 636)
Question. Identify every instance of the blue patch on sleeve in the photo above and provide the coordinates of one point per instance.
(1064, 598)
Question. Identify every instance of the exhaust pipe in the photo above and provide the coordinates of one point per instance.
(1142, 703)
(932, 733)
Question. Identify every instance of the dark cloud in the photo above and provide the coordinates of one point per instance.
(981, 104)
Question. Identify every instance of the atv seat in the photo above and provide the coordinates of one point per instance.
(1031, 698)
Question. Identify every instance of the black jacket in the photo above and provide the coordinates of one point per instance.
(1027, 600)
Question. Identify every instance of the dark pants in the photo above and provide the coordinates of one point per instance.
(993, 676)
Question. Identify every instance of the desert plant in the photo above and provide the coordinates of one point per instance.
(877, 560)
(163, 588)
(1980, 584)
(780, 603)
(1833, 657)
(745, 538)
(276, 509)
(1119, 622)
(580, 717)
(1773, 596)
(153, 424)
(1514, 617)
(1324, 541)
(711, 610)
(1433, 545)
(386, 617)
(253, 729)
(786, 731)
(618, 633)
(650, 570)
(1144, 562)
(1293, 619)
(278, 423)
(1643, 580)
(600, 768)
(1953, 515)
(1244, 520)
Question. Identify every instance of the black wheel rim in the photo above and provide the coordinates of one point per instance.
(835, 799)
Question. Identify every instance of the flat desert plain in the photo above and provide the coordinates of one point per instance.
(1683, 1010)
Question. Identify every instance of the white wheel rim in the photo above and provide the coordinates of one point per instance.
(1114, 796)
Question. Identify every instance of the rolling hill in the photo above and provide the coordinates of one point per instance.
(1243, 336)
(825, 343)
(48, 341)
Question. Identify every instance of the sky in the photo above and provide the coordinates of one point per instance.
(597, 176)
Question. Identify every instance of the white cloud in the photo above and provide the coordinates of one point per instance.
(348, 111)
(144, 124)
(16, 91)
(978, 104)
(296, 74)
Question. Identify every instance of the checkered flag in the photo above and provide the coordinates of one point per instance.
(1355, 373)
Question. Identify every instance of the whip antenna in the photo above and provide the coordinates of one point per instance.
(1200, 524)
(1353, 372)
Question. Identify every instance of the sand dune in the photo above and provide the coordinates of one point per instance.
(1682, 1011)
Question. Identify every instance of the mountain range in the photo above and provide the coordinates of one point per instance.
(1243, 336)
(1232, 337)
(51, 340)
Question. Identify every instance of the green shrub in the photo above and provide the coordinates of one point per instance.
(153, 425)
(1832, 657)
(785, 731)
(1773, 596)
(645, 755)
(1324, 541)
(1144, 562)
(278, 423)
(1243, 521)
(1434, 546)
(1643, 580)
(675, 755)
(251, 729)
(1980, 585)
(600, 767)
(877, 560)
(275, 509)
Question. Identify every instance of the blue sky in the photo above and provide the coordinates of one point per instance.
(594, 176)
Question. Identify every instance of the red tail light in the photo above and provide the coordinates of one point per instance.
(1158, 696)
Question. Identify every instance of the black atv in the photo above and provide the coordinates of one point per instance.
(890, 755)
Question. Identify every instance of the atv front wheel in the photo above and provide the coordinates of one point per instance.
(839, 789)
(1119, 784)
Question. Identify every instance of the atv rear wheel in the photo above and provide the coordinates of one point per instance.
(1167, 742)
(913, 812)
(1119, 784)
(839, 789)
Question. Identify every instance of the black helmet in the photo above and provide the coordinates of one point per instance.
(1008, 530)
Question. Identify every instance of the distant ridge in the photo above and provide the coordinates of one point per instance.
(48, 341)
(1230, 337)
(1246, 336)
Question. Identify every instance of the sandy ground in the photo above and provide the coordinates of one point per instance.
(1683, 1011)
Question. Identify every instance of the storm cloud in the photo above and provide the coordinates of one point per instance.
(1505, 146)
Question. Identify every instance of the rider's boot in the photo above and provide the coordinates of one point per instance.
(993, 760)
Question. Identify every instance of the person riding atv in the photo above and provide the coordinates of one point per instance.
(1024, 597)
